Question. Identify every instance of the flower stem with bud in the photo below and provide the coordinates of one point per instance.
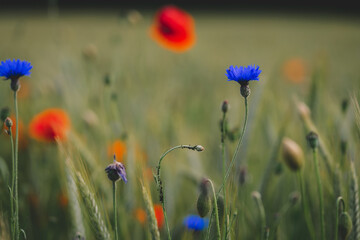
(159, 184)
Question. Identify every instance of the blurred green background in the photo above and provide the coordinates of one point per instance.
(157, 99)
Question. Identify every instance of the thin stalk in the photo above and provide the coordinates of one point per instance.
(224, 170)
(17, 231)
(216, 211)
(232, 161)
(12, 186)
(237, 148)
(321, 200)
(159, 182)
(259, 203)
(339, 201)
(115, 212)
(305, 207)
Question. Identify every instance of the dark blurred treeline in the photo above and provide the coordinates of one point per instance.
(315, 6)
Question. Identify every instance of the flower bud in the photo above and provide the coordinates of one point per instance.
(199, 148)
(8, 122)
(204, 200)
(292, 154)
(313, 140)
(345, 225)
(225, 106)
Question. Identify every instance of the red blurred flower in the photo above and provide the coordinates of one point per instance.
(140, 215)
(159, 214)
(50, 124)
(174, 29)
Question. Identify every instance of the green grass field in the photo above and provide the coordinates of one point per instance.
(158, 99)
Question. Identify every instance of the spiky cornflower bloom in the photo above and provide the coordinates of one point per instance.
(13, 70)
(243, 75)
(196, 223)
(115, 171)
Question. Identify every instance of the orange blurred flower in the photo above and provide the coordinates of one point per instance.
(294, 70)
(118, 148)
(22, 132)
(50, 124)
(173, 29)
(140, 215)
(63, 200)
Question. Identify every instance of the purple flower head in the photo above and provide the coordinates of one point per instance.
(115, 171)
(243, 74)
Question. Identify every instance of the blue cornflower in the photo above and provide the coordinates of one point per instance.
(194, 222)
(243, 74)
(13, 70)
(115, 171)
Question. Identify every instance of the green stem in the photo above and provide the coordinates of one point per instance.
(305, 207)
(115, 212)
(17, 231)
(261, 209)
(160, 185)
(339, 201)
(321, 201)
(232, 161)
(12, 186)
(216, 210)
(224, 170)
(237, 148)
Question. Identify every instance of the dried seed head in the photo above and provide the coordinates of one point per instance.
(313, 140)
(115, 171)
(345, 225)
(292, 154)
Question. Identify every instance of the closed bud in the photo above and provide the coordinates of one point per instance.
(225, 106)
(221, 206)
(313, 140)
(8, 122)
(203, 204)
(199, 148)
(292, 154)
(345, 225)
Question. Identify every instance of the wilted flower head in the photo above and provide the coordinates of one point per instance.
(115, 171)
(243, 75)
(13, 70)
(196, 223)
(174, 29)
(50, 125)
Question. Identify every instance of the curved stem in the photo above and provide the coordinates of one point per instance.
(17, 231)
(339, 201)
(305, 207)
(115, 212)
(321, 201)
(159, 182)
(216, 210)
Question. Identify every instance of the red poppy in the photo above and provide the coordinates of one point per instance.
(50, 124)
(140, 215)
(174, 29)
